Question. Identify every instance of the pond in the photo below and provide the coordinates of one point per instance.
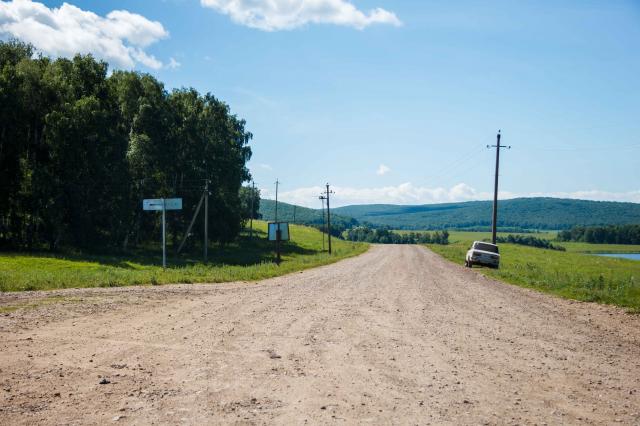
(631, 256)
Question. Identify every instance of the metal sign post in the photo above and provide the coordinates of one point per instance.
(164, 204)
(278, 238)
(278, 232)
(164, 231)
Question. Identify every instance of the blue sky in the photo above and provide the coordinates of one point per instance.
(391, 101)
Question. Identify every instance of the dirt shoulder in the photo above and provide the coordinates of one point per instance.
(396, 335)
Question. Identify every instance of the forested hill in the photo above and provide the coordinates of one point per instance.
(530, 213)
(304, 216)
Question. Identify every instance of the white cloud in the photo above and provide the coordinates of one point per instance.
(274, 15)
(266, 167)
(119, 38)
(407, 193)
(173, 64)
(382, 170)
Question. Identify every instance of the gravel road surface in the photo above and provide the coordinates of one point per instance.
(395, 336)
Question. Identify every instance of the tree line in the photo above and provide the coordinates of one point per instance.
(530, 241)
(306, 216)
(386, 236)
(80, 148)
(612, 234)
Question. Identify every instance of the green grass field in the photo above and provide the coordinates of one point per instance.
(245, 260)
(469, 237)
(573, 274)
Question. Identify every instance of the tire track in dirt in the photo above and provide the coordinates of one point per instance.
(394, 336)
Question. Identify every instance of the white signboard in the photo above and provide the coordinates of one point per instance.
(284, 231)
(158, 203)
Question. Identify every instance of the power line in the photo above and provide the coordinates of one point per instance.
(455, 165)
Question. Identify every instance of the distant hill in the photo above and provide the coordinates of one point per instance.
(304, 216)
(530, 213)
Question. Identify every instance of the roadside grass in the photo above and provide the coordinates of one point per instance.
(469, 237)
(573, 274)
(245, 260)
(473, 236)
(599, 248)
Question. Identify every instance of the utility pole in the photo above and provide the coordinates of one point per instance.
(277, 183)
(327, 193)
(206, 219)
(278, 232)
(494, 223)
(322, 198)
(294, 213)
(253, 194)
(193, 220)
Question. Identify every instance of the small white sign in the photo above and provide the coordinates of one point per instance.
(158, 203)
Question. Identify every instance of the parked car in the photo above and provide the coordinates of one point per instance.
(481, 253)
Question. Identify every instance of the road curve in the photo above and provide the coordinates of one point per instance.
(394, 336)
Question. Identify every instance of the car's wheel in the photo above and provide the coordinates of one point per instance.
(466, 263)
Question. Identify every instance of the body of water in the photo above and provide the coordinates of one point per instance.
(632, 256)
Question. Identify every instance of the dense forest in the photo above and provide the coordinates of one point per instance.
(387, 236)
(623, 234)
(516, 214)
(81, 147)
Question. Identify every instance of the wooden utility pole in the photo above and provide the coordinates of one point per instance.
(494, 223)
(193, 220)
(327, 193)
(276, 215)
(322, 198)
(206, 220)
(253, 194)
(278, 232)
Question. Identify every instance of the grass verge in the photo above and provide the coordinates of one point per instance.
(245, 260)
(572, 274)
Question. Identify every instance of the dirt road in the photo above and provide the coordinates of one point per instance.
(395, 336)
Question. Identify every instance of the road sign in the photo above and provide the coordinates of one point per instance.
(163, 204)
(284, 231)
(158, 203)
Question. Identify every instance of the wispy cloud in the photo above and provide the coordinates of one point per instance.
(407, 193)
(382, 170)
(173, 64)
(277, 15)
(266, 167)
(119, 38)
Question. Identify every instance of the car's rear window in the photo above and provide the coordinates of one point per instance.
(487, 247)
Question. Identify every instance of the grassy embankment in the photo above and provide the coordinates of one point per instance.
(573, 274)
(242, 261)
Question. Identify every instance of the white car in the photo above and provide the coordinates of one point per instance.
(481, 253)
